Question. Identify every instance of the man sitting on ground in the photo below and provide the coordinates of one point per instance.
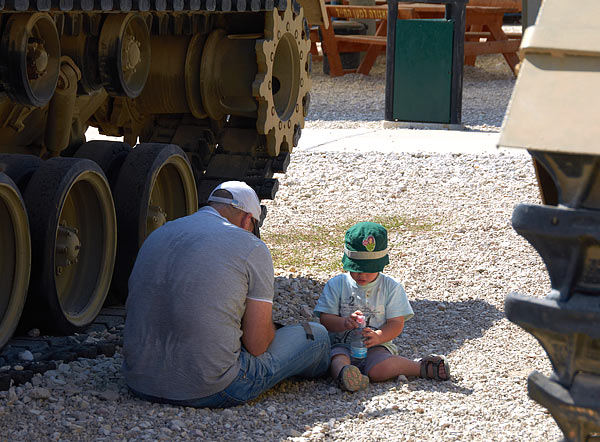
(198, 330)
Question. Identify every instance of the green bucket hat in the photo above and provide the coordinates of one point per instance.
(365, 248)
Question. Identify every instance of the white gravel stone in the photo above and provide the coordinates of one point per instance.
(26, 355)
(39, 393)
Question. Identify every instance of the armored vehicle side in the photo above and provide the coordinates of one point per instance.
(554, 114)
(200, 91)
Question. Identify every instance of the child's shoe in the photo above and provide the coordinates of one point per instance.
(351, 379)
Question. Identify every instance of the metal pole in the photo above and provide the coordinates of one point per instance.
(389, 59)
(457, 13)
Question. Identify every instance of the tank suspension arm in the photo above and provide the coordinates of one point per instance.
(60, 112)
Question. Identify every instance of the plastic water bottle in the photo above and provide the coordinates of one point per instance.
(358, 351)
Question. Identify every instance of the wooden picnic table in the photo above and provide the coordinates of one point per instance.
(482, 22)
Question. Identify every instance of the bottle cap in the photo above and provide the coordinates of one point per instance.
(360, 319)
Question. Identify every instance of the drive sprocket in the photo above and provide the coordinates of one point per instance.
(282, 83)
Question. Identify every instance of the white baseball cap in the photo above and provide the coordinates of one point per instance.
(244, 197)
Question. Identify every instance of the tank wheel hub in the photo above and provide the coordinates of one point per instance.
(68, 246)
(156, 217)
(132, 55)
(30, 54)
(124, 54)
(37, 59)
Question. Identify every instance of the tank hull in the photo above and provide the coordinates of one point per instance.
(198, 92)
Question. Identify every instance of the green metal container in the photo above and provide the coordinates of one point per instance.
(423, 71)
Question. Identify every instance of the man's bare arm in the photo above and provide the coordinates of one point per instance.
(257, 326)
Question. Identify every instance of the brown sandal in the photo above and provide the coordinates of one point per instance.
(351, 379)
(435, 362)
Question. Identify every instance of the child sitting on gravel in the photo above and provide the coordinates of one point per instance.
(381, 299)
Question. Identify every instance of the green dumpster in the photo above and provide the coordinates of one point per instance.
(423, 70)
(424, 67)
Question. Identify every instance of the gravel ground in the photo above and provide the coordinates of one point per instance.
(451, 244)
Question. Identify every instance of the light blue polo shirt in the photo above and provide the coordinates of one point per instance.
(379, 300)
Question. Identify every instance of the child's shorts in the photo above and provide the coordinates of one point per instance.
(375, 355)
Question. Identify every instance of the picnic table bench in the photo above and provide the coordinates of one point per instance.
(483, 31)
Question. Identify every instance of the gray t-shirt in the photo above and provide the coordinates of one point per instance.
(187, 297)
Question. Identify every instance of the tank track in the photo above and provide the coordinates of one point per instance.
(242, 153)
(254, 163)
(186, 6)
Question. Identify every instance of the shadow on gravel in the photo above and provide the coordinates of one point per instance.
(313, 421)
(443, 327)
(437, 327)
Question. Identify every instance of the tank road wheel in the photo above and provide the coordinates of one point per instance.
(124, 53)
(156, 184)
(15, 257)
(109, 155)
(264, 77)
(20, 168)
(30, 53)
(73, 230)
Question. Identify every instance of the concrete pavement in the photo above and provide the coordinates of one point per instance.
(389, 140)
(401, 140)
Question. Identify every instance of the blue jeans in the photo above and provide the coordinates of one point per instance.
(290, 354)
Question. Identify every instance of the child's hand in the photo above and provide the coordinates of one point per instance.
(371, 337)
(354, 316)
(350, 322)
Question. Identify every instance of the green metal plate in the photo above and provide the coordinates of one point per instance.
(423, 70)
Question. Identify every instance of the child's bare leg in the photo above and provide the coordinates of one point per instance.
(393, 367)
(351, 379)
(397, 365)
(337, 363)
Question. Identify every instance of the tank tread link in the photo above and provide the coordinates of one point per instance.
(199, 91)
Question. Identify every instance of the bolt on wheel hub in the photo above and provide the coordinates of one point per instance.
(68, 246)
(37, 59)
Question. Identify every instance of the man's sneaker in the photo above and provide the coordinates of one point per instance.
(351, 379)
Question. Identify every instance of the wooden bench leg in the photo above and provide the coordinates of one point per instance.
(371, 56)
(470, 59)
(498, 34)
(330, 48)
(314, 38)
